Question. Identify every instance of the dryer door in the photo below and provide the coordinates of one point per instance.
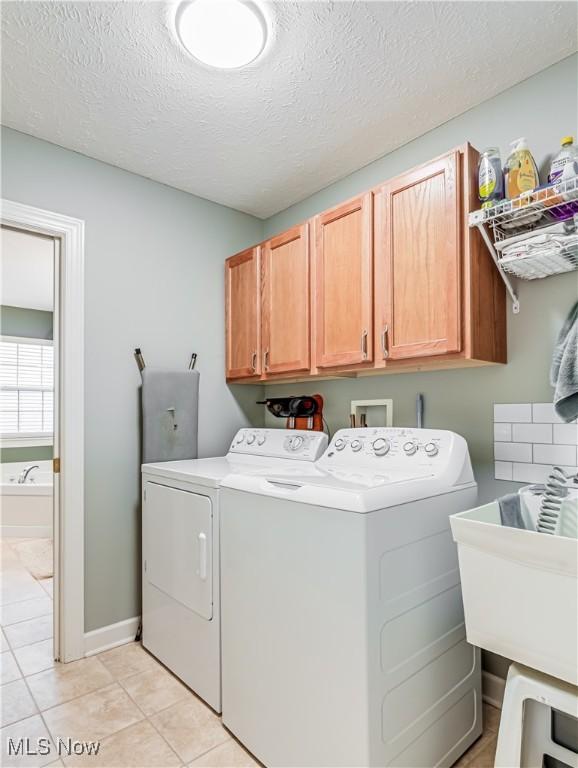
(179, 544)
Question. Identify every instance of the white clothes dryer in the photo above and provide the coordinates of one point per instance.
(180, 549)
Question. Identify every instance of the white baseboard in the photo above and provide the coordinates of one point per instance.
(26, 531)
(493, 689)
(105, 638)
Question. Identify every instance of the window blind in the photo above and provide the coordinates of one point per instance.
(26, 388)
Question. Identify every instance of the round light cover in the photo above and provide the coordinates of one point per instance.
(221, 33)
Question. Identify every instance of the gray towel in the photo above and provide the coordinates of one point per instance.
(564, 371)
(170, 406)
(510, 511)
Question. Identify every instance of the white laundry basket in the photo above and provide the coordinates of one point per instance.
(520, 591)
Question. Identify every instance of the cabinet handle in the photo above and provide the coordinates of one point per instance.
(364, 345)
(266, 360)
(254, 362)
(384, 348)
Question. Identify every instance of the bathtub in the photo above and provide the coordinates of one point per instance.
(26, 509)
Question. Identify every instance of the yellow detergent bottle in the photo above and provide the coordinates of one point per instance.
(521, 171)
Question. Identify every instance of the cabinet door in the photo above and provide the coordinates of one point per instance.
(343, 264)
(242, 321)
(285, 307)
(418, 262)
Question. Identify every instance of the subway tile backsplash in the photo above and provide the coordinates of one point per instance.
(545, 413)
(529, 439)
(566, 434)
(532, 433)
(512, 412)
(513, 452)
(502, 432)
(530, 473)
(554, 454)
(504, 470)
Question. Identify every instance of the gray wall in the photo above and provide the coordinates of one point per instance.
(543, 108)
(154, 279)
(34, 453)
(24, 322)
(29, 324)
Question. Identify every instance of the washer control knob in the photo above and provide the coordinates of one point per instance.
(240, 437)
(410, 447)
(250, 439)
(431, 449)
(380, 446)
(356, 445)
(339, 444)
(261, 439)
(295, 443)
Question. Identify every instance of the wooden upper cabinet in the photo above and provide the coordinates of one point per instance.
(242, 321)
(419, 262)
(285, 326)
(391, 280)
(342, 284)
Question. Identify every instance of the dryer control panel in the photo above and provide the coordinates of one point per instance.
(302, 445)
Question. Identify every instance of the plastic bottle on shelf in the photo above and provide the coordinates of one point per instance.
(569, 195)
(490, 178)
(568, 155)
(521, 171)
(569, 172)
(555, 196)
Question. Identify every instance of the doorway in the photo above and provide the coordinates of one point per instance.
(42, 436)
(29, 400)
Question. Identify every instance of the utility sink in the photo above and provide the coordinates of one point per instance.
(520, 591)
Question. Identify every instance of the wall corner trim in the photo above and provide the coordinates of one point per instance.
(110, 636)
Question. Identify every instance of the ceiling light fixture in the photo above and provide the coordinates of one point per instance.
(227, 34)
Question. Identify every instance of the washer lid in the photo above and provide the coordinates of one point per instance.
(350, 491)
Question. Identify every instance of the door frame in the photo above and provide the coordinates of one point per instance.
(69, 511)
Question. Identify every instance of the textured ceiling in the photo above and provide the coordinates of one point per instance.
(340, 84)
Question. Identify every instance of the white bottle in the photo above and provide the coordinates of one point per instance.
(570, 172)
(568, 155)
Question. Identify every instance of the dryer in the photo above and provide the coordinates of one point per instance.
(180, 549)
(343, 629)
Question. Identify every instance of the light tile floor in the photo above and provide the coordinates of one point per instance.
(141, 714)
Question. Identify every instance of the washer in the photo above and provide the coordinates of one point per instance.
(343, 631)
(180, 549)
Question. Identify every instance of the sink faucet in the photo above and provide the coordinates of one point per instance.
(23, 476)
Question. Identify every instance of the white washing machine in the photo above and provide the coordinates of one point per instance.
(343, 629)
(180, 550)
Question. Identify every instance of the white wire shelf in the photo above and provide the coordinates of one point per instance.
(534, 235)
(535, 265)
